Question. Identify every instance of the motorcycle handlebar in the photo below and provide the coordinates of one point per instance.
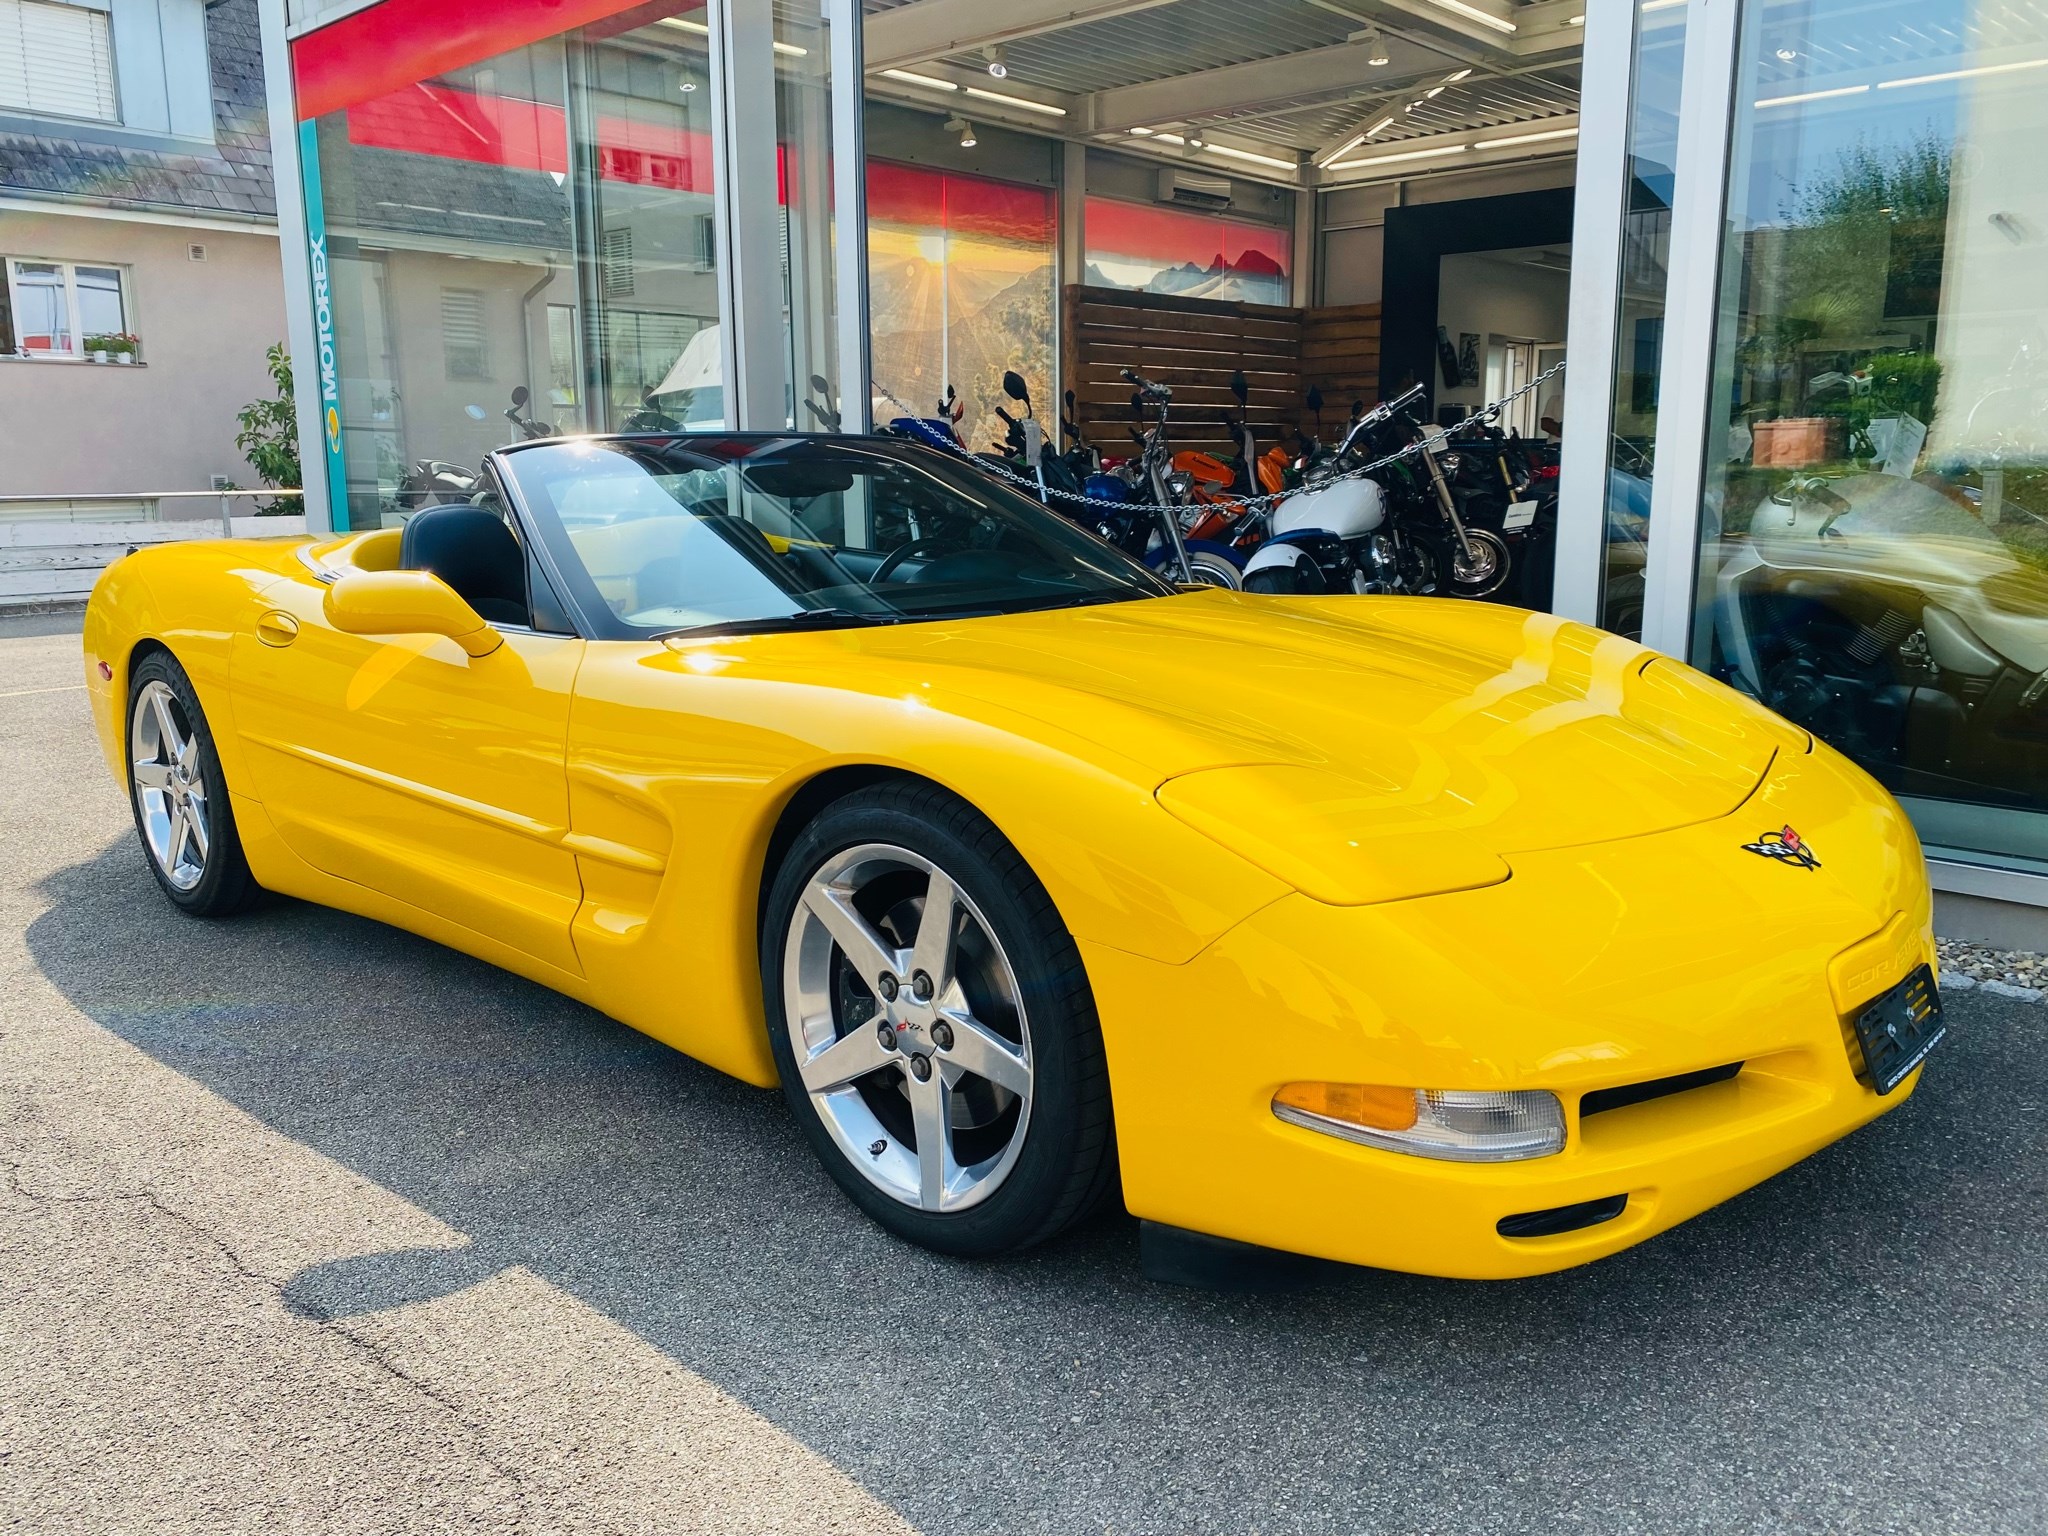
(1146, 387)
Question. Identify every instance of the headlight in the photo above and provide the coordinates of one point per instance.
(1180, 482)
(1454, 1124)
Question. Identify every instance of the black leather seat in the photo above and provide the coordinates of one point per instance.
(472, 550)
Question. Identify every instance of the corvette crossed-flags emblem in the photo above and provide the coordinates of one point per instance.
(1786, 846)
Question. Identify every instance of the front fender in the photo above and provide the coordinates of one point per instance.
(681, 765)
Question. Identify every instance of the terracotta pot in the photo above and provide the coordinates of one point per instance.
(1796, 442)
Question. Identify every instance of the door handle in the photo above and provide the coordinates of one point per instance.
(277, 628)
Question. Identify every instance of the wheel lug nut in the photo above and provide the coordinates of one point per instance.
(887, 1035)
(921, 987)
(942, 1036)
(921, 1068)
(887, 986)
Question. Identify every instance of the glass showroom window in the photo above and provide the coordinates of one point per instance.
(54, 308)
(1162, 250)
(1639, 331)
(960, 287)
(516, 243)
(57, 60)
(1875, 521)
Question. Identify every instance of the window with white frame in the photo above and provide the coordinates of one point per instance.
(57, 58)
(59, 308)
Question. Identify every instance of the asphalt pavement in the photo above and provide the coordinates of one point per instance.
(310, 1225)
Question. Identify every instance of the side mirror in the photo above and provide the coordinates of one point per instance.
(818, 383)
(1070, 402)
(1239, 387)
(407, 603)
(520, 396)
(1016, 389)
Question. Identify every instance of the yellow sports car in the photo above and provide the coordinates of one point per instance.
(1401, 932)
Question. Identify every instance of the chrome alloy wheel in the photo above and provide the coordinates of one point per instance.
(908, 1027)
(163, 753)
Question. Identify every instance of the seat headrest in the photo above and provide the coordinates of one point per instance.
(472, 550)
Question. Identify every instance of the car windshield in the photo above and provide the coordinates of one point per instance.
(659, 535)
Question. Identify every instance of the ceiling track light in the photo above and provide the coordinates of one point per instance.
(1376, 46)
(998, 60)
(965, 129)
(1474, 13)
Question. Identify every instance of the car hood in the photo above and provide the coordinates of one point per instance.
(1366, 749)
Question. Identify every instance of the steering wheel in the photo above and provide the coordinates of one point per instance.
(903, 552)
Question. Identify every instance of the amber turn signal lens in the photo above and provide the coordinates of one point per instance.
(1385, 1109)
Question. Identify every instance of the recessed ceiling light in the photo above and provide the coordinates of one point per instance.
(1472, 12)
(932, 82)
(1245, 154)
(1018, 101)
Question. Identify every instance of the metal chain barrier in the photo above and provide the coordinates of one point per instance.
(1433, 439)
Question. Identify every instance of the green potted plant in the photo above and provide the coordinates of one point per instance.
(125, 347)
(100, 346)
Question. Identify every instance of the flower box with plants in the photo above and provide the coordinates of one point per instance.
(113, 347)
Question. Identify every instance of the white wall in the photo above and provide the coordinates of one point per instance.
(1490, 296)
(168, 425)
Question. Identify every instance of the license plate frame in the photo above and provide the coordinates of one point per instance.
(1898, 1028)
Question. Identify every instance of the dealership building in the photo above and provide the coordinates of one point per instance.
(1793, 249)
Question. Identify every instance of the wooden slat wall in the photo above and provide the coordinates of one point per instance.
(1193, 345)
(1340, 353)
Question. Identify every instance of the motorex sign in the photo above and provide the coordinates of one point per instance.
(329, 373)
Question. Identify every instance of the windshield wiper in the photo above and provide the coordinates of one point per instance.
(803, 618)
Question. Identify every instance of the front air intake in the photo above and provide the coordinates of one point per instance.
(1604, 1099)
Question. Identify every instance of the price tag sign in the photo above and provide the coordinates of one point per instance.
(1520, 515)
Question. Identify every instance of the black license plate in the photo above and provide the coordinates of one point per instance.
(1898, 1030)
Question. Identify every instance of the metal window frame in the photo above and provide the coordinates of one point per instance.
(281, 98)
(1692, 321)
(1598, 223)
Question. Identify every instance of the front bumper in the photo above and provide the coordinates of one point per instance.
(1591, 968)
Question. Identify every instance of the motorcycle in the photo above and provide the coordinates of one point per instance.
(1882, 614)
(529, 429)
(1335, 534)
(1152, 477)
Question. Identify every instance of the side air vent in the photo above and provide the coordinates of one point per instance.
(1605, 1099)
(1562, 1218)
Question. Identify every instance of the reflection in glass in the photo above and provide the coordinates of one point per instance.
(803, 144)
(1875, 524)
(1639, 331)
(960, 285)
(519, 245)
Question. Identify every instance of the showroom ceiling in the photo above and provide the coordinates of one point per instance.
(1258, 88)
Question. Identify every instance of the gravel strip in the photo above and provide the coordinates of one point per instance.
(2012, 974)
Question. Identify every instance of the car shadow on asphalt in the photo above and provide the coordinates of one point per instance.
(1753, 1363)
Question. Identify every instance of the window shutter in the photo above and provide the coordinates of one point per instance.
(463, 343)
(618, 263)
(56, 59)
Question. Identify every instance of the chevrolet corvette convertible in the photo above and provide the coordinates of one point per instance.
(1419, 934)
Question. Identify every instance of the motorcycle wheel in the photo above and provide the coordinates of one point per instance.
(1210, 567)
(1482, 572)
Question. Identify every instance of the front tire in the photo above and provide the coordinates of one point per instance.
(179, 795)
(933, 1026)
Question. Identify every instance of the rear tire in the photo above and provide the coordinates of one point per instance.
(179, 796)
(952, 1081)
